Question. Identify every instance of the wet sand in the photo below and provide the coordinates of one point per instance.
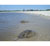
(41, 26)
(11, 26)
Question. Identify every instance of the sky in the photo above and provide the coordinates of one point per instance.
(20, 7)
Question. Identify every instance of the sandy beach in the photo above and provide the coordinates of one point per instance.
(40, 26)
(38, 21)
(45, 13)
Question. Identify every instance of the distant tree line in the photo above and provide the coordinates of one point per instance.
(23, 10)
(48, 9)
(35, 10)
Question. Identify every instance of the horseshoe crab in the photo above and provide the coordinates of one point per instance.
(26, 34)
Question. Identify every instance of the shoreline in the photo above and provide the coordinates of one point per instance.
(45, 13)
(39, 24)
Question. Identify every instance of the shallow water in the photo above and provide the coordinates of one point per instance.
(11, 26)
